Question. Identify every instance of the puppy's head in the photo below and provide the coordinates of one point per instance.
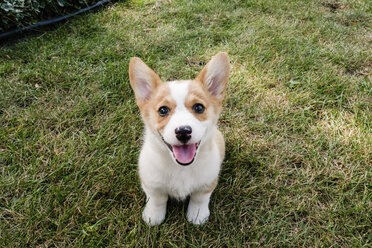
(181, 113)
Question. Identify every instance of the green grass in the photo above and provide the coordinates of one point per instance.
(297, 124)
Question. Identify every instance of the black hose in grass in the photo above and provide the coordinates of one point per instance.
(51, 21)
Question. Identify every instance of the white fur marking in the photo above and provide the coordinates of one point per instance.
(179, 91)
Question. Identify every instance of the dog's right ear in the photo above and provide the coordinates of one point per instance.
(142, 79)
(215, 75)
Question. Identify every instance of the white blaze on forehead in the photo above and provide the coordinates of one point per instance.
(179, 91)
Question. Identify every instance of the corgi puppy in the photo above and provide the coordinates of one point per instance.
(183, 149)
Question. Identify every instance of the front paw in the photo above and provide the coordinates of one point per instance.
(197, 214)
(153, 216)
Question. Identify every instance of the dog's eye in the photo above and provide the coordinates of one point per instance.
(198, 108)
(163, 111)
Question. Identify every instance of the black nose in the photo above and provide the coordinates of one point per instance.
(183, 133)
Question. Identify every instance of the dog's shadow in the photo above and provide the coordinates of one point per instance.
(229, 194)
(176, 210)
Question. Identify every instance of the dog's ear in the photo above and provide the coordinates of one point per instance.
(142, 79)
(216, 74)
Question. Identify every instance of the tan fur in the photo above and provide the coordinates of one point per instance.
(220, 143)
(211, 187)
(197, 95)
(161, 98)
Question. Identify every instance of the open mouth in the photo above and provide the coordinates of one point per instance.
(184, 154)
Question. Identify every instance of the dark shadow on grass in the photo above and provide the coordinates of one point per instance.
(176, 210)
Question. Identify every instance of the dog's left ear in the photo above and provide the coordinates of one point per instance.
(216, 74)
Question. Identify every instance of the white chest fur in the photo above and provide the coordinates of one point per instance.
(158, 169)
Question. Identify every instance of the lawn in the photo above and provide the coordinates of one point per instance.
(297, 124)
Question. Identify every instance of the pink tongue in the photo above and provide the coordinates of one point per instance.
(184, 154)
